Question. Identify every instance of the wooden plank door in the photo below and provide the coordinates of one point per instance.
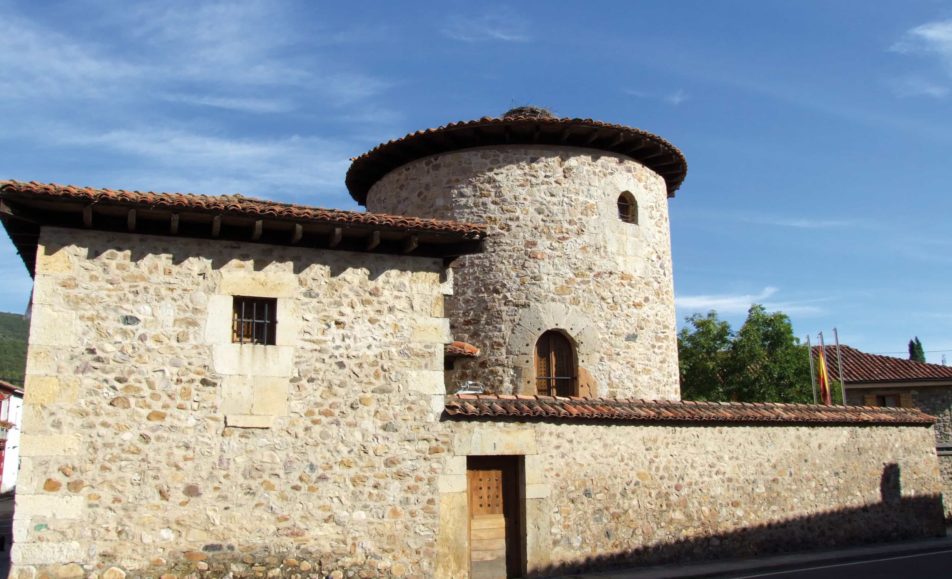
(494, 526)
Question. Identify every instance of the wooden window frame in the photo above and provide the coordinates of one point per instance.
(254, 320)
(556, 384)
(627, 208)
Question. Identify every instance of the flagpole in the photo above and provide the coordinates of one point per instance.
(812, 372)
(839, 363)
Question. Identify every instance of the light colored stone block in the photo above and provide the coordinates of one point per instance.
(47, 553)
(237, 395)
(218, 323)
(537, 491)
(253, 360)
(264, 284)
(50, 506)
(249, 421)
(452, 483)
(57, 262)
(44, 390)
(41, 360)
(430, 330)
(48, 444)
(270, 396)
(426, 381)
(452, 542)
(52, 328)
(455, 465)
(491, 441)
(289, 322)
(534, 469)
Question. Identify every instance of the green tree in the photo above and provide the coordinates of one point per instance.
(761, 362)
(916, 353)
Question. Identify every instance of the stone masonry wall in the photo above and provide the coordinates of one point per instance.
(558, 257)
(154, 445)
(599, 494)
(934, 400)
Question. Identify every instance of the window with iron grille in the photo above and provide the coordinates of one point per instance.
(628, 208)
(254, 320)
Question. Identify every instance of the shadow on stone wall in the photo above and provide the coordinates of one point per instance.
(894, 518)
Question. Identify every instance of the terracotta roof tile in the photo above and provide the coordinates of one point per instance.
(523, 407)
(651, 150)
(238, 204)
(862, 367)
(461, 350)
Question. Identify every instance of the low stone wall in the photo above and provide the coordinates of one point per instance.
(607, 494)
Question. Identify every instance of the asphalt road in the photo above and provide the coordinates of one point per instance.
(935, 565)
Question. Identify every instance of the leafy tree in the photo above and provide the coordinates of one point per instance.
(916, 353)
(13, 337)
(761, 362)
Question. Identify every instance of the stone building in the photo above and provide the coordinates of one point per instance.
(485, 386)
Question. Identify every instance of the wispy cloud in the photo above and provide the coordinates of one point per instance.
(799, 223)
(499, 26)
(933, 40)
(244, 104)
(740, 303)
(673, 98)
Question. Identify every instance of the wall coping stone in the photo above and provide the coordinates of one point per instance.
(465, 406)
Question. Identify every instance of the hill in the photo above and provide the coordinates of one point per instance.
(14, 330)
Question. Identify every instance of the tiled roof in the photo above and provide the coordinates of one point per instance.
(862, 367)
(650, 150)
(238, 204)
(461, 350)
(546, 407)
(27, 207)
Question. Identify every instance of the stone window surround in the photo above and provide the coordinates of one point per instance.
(534, 321)
(255, 377)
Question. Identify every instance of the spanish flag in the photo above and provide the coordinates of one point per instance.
(824, 378)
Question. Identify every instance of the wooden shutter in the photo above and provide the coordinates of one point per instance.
(556, 373)
(905, 400)
(869, 400)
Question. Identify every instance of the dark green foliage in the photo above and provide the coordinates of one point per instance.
(916, 353)
(14, 330)
(761, 362)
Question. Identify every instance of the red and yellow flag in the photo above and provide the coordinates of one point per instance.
(824, 378)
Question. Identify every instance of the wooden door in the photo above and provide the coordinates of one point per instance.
(555, 365)
(494, 527)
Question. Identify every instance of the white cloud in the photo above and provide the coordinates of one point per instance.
(178, 159)
(673, 98)
(500, 26)
(800, 223)
(728, 304)
(243, 104)
(932, 39)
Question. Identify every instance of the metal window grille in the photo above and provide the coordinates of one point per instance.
(254, 320)
(627, 208)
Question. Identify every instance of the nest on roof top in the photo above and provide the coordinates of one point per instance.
(529, 112)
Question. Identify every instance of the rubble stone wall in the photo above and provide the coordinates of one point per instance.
(602, 494)
(154, 445)
(558, 257)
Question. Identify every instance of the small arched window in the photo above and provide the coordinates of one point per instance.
(628, 208)
(556, 367)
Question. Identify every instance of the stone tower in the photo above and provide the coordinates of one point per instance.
(574, 293)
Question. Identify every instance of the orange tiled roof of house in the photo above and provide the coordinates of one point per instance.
(461, 350)
(238, 204)
(862, 367)
(547, 407)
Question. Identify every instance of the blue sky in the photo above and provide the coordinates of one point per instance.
(818, 134)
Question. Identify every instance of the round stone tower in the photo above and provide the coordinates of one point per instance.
(574, 293)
